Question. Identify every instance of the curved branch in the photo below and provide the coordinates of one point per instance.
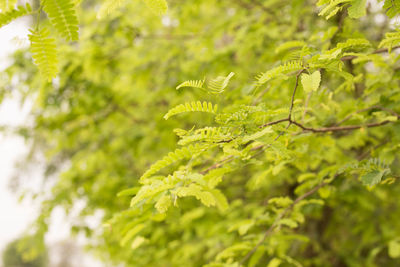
(273, 122)
(379, 51)
(340, 128)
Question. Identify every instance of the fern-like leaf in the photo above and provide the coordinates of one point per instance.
(191, 107)
(178, 154)
(11, 15)
(278, 71)
(391, 39)
(392, 7)
(209, 134)
(192, 83)
(7, 5)
(218, 85)
(62, 15)
(356, 43)
(44, 52)
(349, 45)
(333, 8)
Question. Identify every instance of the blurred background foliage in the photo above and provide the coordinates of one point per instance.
(99, 125)
(17, 253)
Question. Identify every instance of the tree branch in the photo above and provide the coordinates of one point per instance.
(274, 122)
(379, 51)
(340, 128)
(293, 95)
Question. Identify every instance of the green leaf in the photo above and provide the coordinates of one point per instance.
(44, 52)
(138, 241)
(255, 259)
(218, 85)
(394, 249)
(372, 178)
(192, 107)
(196, 191)
(275, 262)
(131, 233)
(128, 192)
(357, 9)
(281, 201)
(288, 222)
(7, 5)
(220, 199)
(62, 15)
(192, 83)
(257, 135)
(9, 16)
(242, 226)
(311, 82)
(392, 7)
(163, 203)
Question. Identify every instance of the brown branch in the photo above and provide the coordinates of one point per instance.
(330, 129)
(273, 122)
(217, 165)
(230, 158)
(379, 51)
(293, 95)
(280, 216)
(289, 118)
(304, 128)
(340, 128)
(384, 50)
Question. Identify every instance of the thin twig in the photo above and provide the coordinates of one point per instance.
(340, 128)
(274, 122)
(379, 51)
(217, 165)
(39, 13)
(293, 94)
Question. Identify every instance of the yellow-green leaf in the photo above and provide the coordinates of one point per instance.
(394, 249)
(311, 82)
(275, 262)
(163, 203)
(7, 5)
(357, 9)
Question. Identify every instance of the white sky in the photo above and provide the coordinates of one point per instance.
(15, 217)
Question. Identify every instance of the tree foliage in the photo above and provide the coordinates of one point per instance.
(297, 166)
(21, 253)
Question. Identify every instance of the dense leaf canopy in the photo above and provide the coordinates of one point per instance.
(216, 132)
